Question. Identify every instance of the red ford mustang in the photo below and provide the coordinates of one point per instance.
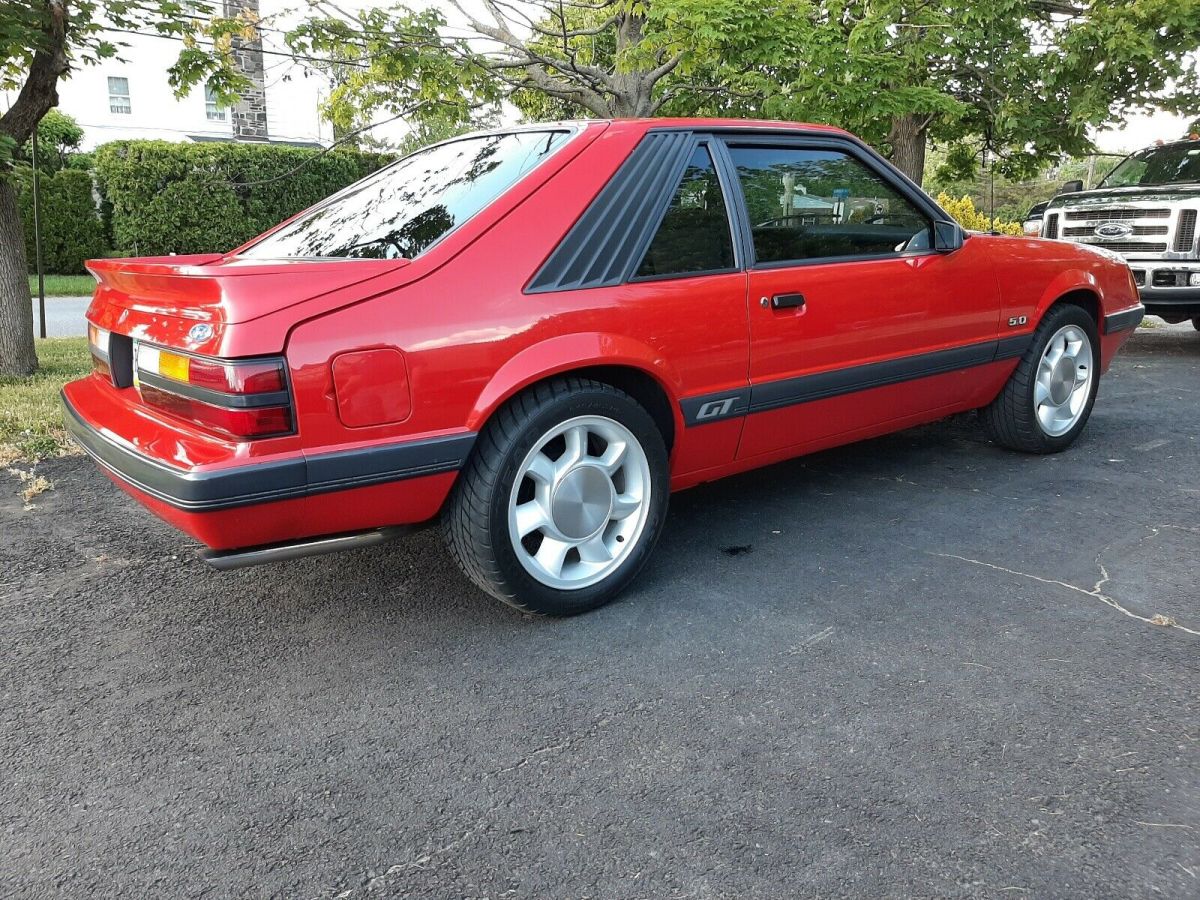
(539, 333)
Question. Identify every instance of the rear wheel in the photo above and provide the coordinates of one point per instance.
(1047, 401)
(562, 500)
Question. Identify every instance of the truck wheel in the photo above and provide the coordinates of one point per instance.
(562, 499)
(1046, 402)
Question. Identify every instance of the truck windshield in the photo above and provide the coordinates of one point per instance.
(401, 210)
(1169, 164)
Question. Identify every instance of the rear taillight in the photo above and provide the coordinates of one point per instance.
(98, 340)
(242, 398)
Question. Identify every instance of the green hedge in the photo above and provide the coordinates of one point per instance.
(161, 197)
(72, 230)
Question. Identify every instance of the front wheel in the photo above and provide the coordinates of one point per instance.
(1047, 400)
(562, 500)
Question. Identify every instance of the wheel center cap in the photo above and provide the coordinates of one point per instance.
(1062, 381)
(582, 502)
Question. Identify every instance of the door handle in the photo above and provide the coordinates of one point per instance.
(787, 301)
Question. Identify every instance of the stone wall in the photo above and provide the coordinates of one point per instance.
(249, 114)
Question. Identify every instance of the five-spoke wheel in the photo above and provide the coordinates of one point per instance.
(1064, 380)
(579, 501)
(1047, 400)
(563, 498)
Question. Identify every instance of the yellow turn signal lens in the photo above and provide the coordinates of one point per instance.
(173, 366)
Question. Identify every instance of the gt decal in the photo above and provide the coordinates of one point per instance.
(714, 408)
(705, 409)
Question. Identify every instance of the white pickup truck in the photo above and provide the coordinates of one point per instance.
(1145, 210)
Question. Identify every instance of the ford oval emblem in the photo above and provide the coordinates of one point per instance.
(1113, 230)
(200, 333)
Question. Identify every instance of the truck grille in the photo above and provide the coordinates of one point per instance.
(1088, 231)
(1150, 228)
(1185, 233)
(1127, 246)
(1116, 214)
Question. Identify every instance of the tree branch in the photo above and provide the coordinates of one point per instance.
(39, 93)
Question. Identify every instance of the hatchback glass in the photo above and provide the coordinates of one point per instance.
(402, 210)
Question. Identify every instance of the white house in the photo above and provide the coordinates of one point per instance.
(131, 99)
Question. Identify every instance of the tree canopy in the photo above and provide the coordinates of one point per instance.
(1027, 79)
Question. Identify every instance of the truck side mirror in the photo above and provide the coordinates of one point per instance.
(1071, 187)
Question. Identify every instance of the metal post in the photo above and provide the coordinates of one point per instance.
(37, 236)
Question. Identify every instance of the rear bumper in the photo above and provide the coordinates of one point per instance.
(275, 500)
(262, 482)
(192, 490)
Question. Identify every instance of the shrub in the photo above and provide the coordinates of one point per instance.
(964, 212)
(71, 227)
(164, 198)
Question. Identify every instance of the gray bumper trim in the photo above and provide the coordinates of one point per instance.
(1124, 320)
(263, 482)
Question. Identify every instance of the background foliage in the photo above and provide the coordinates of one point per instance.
(964, 212)
(198, 198)
(72, 230)
(58, 139)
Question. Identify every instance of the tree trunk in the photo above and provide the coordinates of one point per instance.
(630, 89)
(907, 138)
(17, 355)
(38, 94)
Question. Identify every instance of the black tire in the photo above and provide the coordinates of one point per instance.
(475, 520)
(1011, 420)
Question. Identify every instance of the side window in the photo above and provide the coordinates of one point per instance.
(694, 235)
(817, 204)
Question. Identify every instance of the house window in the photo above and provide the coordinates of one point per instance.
(213, 110)
(118, 96)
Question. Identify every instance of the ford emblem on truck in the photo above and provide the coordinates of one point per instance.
(1113, 230)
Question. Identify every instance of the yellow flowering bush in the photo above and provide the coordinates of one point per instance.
(965, 213)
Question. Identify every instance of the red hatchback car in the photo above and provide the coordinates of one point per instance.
(538, 333)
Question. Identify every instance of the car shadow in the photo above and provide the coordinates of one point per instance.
(709, 529)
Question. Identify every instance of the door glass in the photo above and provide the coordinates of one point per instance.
(818, 204)
(694, 235)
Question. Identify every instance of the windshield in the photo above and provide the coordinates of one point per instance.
(1170, 164)
(400, 211)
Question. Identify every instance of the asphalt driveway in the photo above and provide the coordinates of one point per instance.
(918, 666)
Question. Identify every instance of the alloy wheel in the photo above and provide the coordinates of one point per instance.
(1064, 380)
(579, 502)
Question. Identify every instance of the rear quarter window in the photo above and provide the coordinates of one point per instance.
(400, 211)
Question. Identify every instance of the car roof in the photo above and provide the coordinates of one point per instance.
(643, 125)
(700, 124)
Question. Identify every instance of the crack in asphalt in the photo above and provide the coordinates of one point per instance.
(422, 862)
(1158, 619)
(433, 858)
